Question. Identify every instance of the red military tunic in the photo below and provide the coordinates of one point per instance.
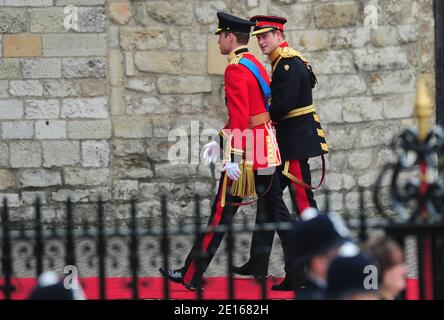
(243, 142)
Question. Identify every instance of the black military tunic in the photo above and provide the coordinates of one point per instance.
(301, 136)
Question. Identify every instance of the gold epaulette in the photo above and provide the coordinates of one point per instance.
(236, 59)
(288, 52)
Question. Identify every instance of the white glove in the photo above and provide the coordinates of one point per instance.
(233, 171)
(211, 152)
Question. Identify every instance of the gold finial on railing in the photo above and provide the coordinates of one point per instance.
(423, 110)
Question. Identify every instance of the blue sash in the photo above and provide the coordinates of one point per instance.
(255, 70)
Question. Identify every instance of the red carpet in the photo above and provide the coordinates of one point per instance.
(152, 288)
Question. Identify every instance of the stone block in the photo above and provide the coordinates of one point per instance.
(95, 154)
(370, 59)
(185, 85)
(50, 129)
(79, 2)
(29, 197)
(89, 129)
(93, 87)
(171, 62)
(29, 3)
(13, 20)
(17, 130)
(10, 69)
(399, 106)
(7, 179)
(116, 68)
(84, 68)
(61, 153)
(25, 154)
(118, 106)
(86, 177)
(336, 15)
(4, 89)
(60, 88)
(22, 45)
(134, 127)
(388, 82)
(40, 178)
(74, 45)
(92, 19)
(47, 20)
(139, 38)
(94, 108)
(179, 13)
(42, 109)
(42, 68)
(120, 12)
(299, 15)
(125, 189)
(4, 155)
(11, 109)
(25, 88)
(358, 109)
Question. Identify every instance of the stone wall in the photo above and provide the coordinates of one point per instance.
(89, 112)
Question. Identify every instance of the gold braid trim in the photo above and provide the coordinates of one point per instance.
(245, 186)
(224, 191)
(288, 52)
(236, 59)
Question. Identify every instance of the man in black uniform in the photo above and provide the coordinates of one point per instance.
(298, 129)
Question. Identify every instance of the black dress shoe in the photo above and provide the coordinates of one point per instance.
(172, 275)
(193, 287)
(285, 285)
(244, 270)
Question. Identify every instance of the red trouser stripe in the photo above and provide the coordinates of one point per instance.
(299, 192)
(191, 270)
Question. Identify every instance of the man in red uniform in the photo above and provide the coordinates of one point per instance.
(249, 147)
(298, 127)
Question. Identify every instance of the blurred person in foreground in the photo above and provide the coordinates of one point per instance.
(351, 275)
(51, 287)
(391, 267)
(315, 244)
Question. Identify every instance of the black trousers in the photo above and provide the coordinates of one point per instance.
(262, 242)
(274, 210)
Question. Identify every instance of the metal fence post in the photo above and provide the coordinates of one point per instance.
(69, 245)
(134, 254)
(165, 246)
(362, 218)
(199, 253)
(38, 248)
(101, 251)
(6, 253)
